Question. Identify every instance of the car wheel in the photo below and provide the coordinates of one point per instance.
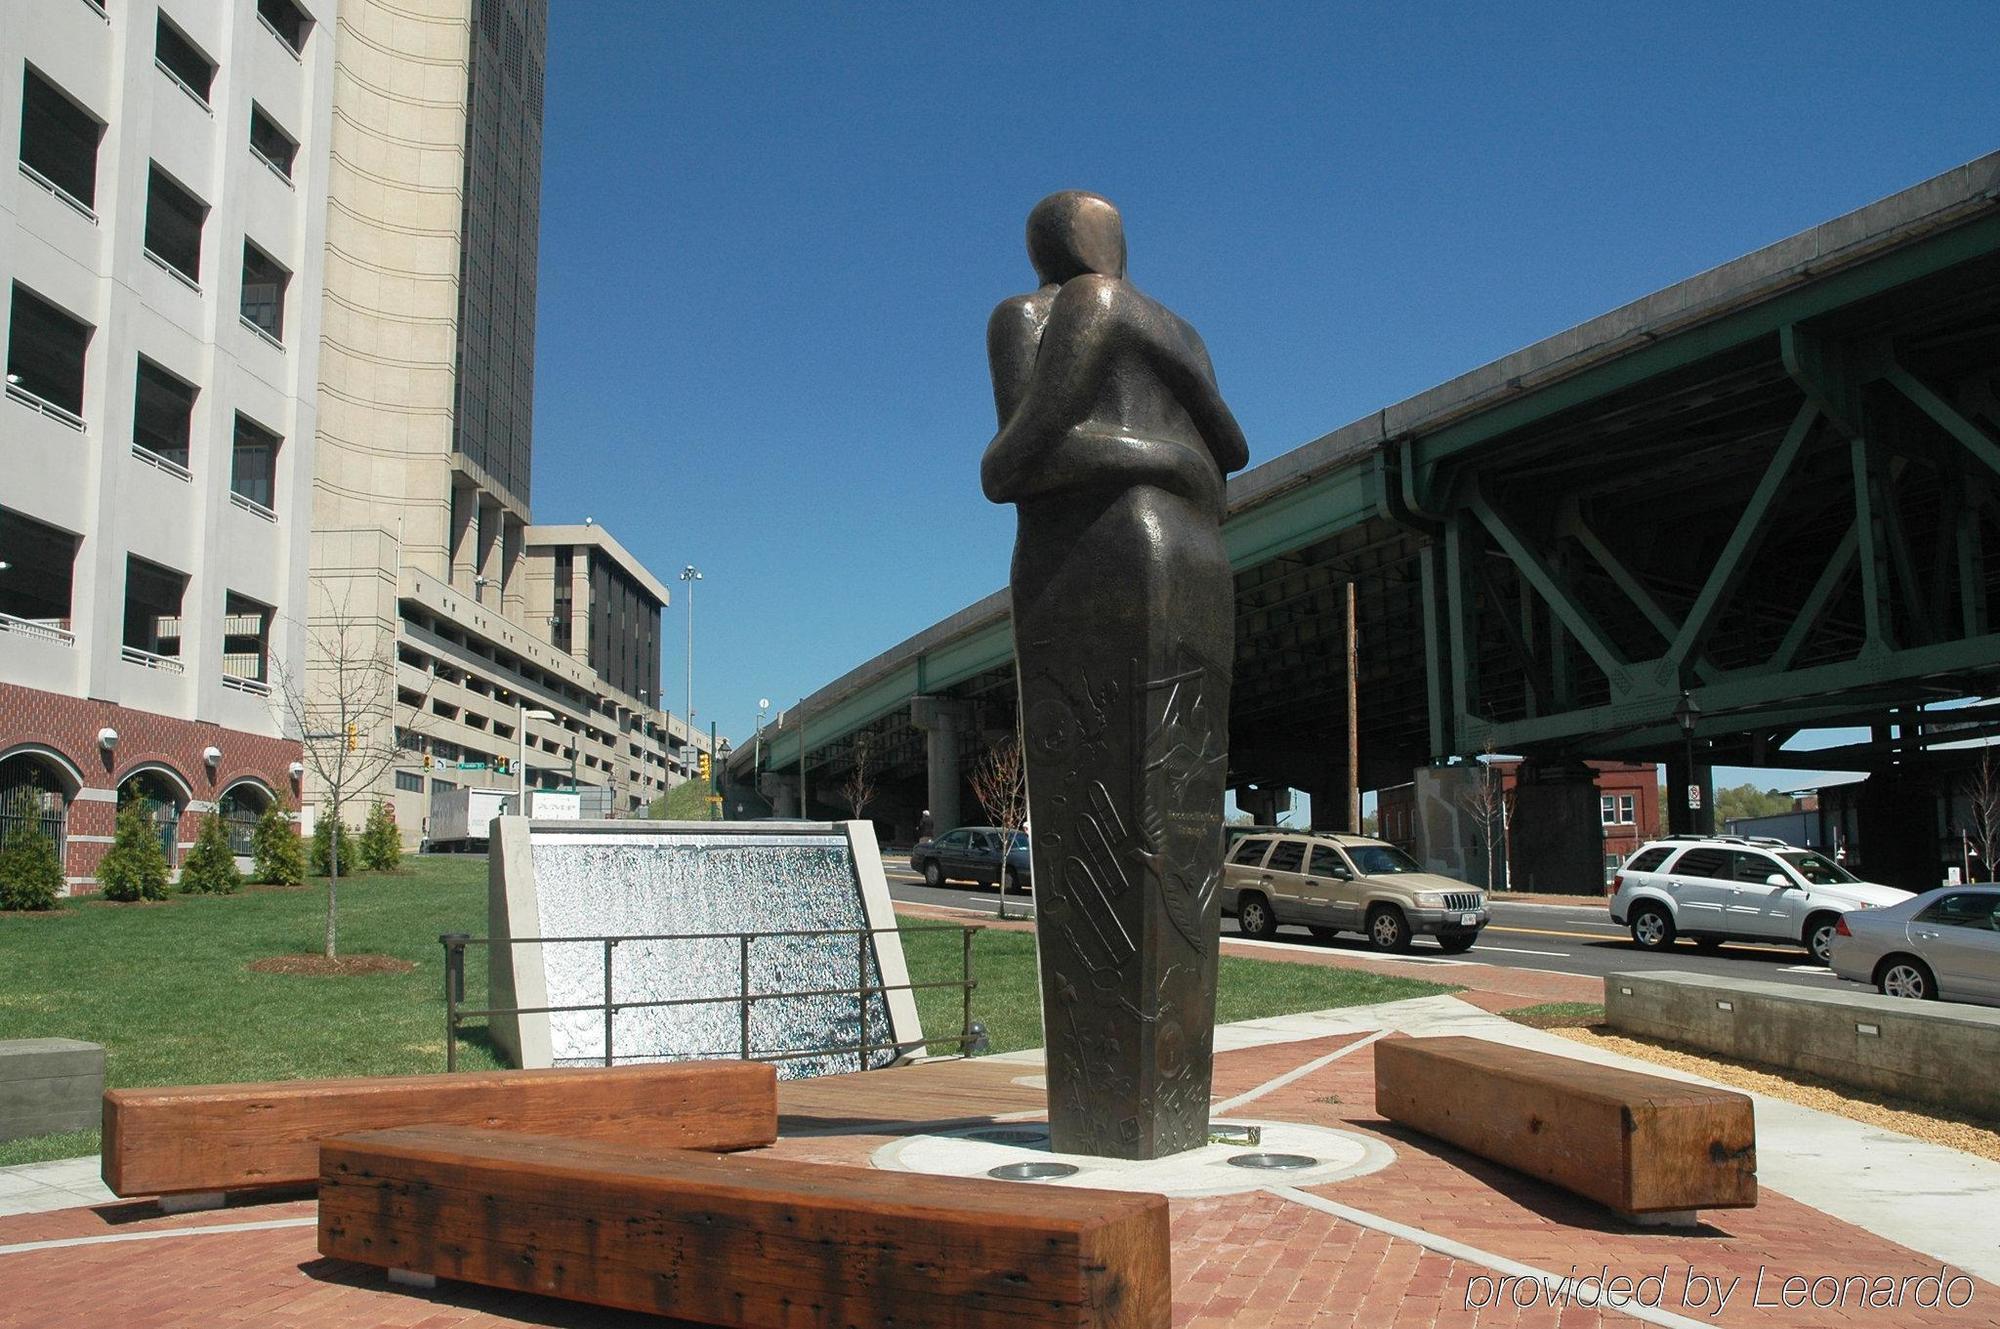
(1254, 917)
(1652, 929)
(1457, 943)
(1323, 933)
(1819, 936)
(1388, 930)
(1906, 976)
(933, 874)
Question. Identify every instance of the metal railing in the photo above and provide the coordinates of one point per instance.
(260, 330)
(970, 1037)
(252, 506)
(165, 663)
(172, 269)
(81, 208)
(184, 86)
(28, 399)
(161, 462)
(48, 629)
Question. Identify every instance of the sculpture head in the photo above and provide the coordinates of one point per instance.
(1074, 232)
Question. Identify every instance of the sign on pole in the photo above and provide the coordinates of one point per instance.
(1694, 797)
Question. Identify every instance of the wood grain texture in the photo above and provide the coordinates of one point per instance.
(743, 1240)
(222, 1137)
(1635, 1143)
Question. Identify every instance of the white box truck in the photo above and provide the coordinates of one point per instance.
(461, 819)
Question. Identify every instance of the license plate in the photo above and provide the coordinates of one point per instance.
(1469, 919)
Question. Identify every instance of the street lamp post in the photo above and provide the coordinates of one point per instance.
(690, 574)
(1685, 715)
(521, 770)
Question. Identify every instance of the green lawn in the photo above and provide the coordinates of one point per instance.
(166, 988)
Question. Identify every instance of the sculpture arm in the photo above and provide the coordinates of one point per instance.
(1060, 388)
(1211, 414)
(1013, 335)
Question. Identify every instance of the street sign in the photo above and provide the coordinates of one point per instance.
(470, 765)
(1694, 796)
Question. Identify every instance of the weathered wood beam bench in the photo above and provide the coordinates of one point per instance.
(1651, 1149)
(214, 1138)
(741, 1240)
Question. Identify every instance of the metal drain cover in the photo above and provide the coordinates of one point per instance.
(1033, 1171)
(1011, 1137)
(1274, 1162)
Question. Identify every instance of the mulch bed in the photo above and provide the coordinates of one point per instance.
(340, 966)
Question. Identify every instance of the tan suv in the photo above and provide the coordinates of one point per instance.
(1346, 883)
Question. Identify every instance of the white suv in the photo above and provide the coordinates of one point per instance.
(1720, 888)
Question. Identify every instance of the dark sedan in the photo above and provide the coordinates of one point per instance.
(972, 853)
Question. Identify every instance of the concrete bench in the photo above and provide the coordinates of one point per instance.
(214, 1138)
(1937, 1052)
(744, 1239)
(1651, 1149)
(47, 1085)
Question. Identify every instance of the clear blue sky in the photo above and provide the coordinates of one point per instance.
(771, 235)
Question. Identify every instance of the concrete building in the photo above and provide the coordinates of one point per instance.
(161, 243)
(422, 534)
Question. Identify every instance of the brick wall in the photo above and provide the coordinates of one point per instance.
(68, 726)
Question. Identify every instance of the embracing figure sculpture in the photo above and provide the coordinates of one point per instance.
(1114, 442)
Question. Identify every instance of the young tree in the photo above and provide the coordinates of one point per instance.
(381, 840)
(31, 873)
(276, 853)
(1000, 783)
(1486, 804)
(858, 789)
(345, 713)
(210, 867)
(135, 867)
(1982, 791)
(332, 842)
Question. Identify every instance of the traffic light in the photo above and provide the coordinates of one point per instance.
(353, 736)
(427, 761)
(706, 766)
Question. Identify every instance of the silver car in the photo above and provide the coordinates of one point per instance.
(1941, 944)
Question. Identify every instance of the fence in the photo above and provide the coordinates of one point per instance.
(970, 1039)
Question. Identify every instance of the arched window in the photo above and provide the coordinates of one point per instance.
(164, 801)
(241, 805)
(35, 791)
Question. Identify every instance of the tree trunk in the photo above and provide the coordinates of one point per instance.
(332, 877)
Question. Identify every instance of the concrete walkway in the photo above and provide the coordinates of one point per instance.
(37, 1188)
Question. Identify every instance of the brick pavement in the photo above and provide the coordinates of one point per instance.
(1257, 1259)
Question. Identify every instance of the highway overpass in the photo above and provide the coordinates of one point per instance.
(1769, 488)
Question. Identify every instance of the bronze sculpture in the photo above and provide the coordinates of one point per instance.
(1113, 444)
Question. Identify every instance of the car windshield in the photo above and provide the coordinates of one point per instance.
(1380, 860)
(1817, 868)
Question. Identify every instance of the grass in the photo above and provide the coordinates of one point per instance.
(167, 990)
(1558, 1015)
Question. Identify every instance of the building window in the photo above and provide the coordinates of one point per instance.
(240, 807)
(287, 22)
(1611, 863)
(173, 226)
(1615, 809)
(45, 352)
(246, 639)
(183, 61)
(162, 414)
(264, 283)
(439, 786)
(253, 464)
(32, 798)
(35, 585)
(1626, 807)
(272, 144)
(163, 805)
(152, 611)
(410, 782)
(59, 141)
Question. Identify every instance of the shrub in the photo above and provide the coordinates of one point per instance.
(322, 848)
(210, 867)
(277, 855)
(381, 840)
(31, 874)
(135, 867)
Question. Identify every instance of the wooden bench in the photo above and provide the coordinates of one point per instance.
(1652, 1149)
(744, 1240)
(221, 1137)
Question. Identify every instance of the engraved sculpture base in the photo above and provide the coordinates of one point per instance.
(1124, 698)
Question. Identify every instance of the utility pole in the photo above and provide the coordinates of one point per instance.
(1353, 724)
(690, 574)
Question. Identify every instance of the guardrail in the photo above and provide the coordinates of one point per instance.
(970, 1037)
(46, 629)
(162, 463)
(166, 664)
(81, 208)
(15, 392)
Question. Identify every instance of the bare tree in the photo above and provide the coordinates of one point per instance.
(344, 710)
(858, 789)
(1982, 792)
(1000, 783)
(1486, 803)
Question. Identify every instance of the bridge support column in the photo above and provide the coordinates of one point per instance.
(1264, 803)
(943, 721)
(1557, 830)
(783, 792)
(1448, 837)
(1329, 796)
(1681, 819)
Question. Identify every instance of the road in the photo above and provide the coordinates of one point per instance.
(1563, 939)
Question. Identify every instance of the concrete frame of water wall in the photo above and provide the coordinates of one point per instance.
(517, 977)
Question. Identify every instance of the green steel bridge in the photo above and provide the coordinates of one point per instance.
(1769, 488)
